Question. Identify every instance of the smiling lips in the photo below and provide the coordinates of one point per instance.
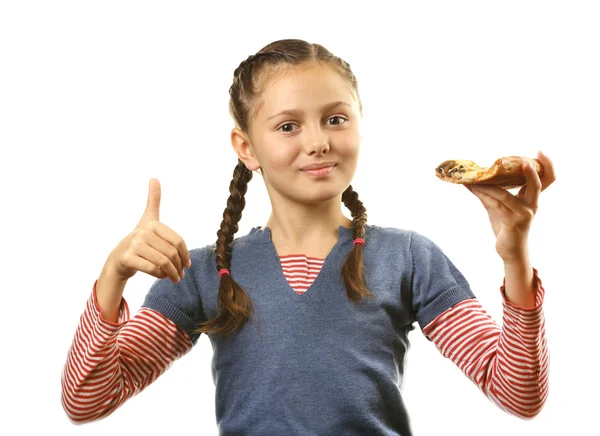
(320, 172)
(319, 165)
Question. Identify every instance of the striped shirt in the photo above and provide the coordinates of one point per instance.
(109, 363)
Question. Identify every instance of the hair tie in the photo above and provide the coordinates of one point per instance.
(223, 271)
(359, 241)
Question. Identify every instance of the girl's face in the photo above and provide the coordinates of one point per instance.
(315, 131)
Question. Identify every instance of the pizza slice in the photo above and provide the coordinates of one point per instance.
(506, 172)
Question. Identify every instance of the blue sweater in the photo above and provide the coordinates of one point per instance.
(317, 363)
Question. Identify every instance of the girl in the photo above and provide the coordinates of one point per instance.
(309, 315)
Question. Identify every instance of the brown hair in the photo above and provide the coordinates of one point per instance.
(249, 80)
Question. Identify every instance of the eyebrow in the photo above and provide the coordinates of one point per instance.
(298, 111)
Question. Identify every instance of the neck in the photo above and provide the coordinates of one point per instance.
(306, 230)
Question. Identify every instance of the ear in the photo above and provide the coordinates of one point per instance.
(242, 147)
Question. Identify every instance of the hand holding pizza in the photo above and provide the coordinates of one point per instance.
(510, 215)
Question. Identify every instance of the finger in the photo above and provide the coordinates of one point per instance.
(152, 211)
(163, 246)
(533, 185)
(497, 198)
(176, 241)
(161, 254)
(549, 173)
(141, 264)
(498, 212)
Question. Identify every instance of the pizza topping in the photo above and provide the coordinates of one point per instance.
(506, 172)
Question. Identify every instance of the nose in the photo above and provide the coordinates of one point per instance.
(319, 148)
(317, 141)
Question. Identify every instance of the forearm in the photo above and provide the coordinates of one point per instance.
(520, 287)
(508, 363)
(523, 346)
(109, 292)
(109, 363)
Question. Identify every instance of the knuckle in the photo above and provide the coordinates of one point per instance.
(141, 234)
(173, 253)
(531, 213)
(164, 263)
(150, 225)
(127, 257)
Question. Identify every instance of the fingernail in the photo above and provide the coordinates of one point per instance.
(189, 263)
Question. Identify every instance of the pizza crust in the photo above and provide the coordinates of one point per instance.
(506, 172)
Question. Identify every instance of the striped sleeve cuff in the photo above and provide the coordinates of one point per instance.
(109, 362)
(521, 379)
(509, 363)
(525, 311)
(95, 310)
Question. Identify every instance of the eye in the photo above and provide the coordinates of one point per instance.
(286, 124)
(330, 118)
(341, 118)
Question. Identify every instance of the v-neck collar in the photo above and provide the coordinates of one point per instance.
(344, 242)
(260, 234)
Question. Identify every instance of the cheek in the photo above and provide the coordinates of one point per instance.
(350, 148)
(281, 157)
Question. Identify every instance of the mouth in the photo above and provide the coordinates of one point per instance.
(320, 172)
(318, 166)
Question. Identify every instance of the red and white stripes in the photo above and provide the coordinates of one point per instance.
(111, 362)
(509, 364)
(300, 270)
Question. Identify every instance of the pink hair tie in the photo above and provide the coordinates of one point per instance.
(359, 241)
(223, 271)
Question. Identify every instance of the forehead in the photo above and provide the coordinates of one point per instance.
(306, 88)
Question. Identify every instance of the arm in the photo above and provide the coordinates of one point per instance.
(109, 362)
(509, 364)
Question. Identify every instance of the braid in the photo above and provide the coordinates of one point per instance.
(247, 80)
(245, 71)
(352, 271)
(232, 214)
(235, 306)
(357, 210)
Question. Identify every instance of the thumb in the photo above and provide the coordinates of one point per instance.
(153, 204)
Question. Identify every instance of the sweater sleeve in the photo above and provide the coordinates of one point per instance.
(181, 302)
(437, 284)
(509, 363)
(109, 363)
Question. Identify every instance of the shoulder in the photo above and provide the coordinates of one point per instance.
(387, 231)
(389, 241)
(206, 256)
(411, 239)
(385, 236)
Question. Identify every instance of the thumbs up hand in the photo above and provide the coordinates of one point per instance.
(151, 247)
(152, 211)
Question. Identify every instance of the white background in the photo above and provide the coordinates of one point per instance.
(98, 97)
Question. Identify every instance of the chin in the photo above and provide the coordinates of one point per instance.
(320, 194)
